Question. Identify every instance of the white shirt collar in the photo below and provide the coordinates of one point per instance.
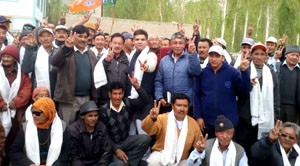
(297, 65)
(85, 49)
(117, 110)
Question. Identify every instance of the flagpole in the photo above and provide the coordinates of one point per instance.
(113, 19)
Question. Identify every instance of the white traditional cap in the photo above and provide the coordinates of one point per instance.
(217, 49)
(45, 30)
(271, 40)
(221, 41)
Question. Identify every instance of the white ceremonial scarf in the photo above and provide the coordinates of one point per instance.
(216, 156)
(8, 93)
(2, 47)
(41, 69)
(100, 78)
(238, 61)
(285, 159)
(28, 114)
(32, 142)
(174, 146)
(104, 51)
(204, 64)
(261, 101)
(138, 73)
(22, 52)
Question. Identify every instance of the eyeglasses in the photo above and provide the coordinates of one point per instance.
(36, 113)
(287, 136)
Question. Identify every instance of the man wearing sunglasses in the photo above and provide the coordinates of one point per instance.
(279, 147)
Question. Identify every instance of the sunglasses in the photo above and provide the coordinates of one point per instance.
(28, 28)
(287, 136)
(36, 113)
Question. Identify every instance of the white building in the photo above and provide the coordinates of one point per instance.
(21, 12)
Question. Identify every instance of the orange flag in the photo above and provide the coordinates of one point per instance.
(83, 5)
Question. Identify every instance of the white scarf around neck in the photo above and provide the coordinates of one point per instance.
(8, 93)
(174, 146)
(100, 78)
(216, 156)
(138, 73)
(32, 142)
(285, 159)
(238, 61)
(41, 69)
(262, 100)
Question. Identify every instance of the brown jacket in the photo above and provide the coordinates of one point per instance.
(65, 60)
(159, 128)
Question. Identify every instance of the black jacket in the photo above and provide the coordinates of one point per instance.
(268, 153)
(89, 148)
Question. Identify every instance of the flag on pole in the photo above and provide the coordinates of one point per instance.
(109, 2)
(83, 5)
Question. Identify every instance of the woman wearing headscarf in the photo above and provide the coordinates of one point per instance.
(42, 139)
(37, 93)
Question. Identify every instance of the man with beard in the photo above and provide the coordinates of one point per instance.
(203, 46)
(61, 33)
(75, 65)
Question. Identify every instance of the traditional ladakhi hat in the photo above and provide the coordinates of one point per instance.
(13, 51)
(222, 123)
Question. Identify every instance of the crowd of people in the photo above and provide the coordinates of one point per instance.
(79, 96)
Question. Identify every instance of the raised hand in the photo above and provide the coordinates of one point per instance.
(196, 27)
(180, 28)
(31, 39)
(62, 19)
(110, 55)
(200, 145)
(250, 30)
(16, 41)
(143, 66)
(275, 132)
(155, 111)
(244, 61)
(69, 42)
(283, 40)
(133, 81)
(134, 28)
(45, 22)
(97, 24)
(278, 53)
(192, 47)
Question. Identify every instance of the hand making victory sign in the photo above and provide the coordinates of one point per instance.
(245, 62)
(155, 111)
(70, 40)
(192, 47)
(200, 145)
(275, 132)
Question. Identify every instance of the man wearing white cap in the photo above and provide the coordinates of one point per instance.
(259, 108)
(216, 89)
(38, 62)
(272, 60)
(245, 50)
(61, 34)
